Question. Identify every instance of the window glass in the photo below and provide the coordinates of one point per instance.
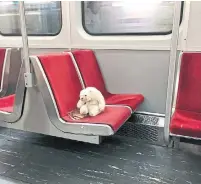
(127, 17)
(42, 17)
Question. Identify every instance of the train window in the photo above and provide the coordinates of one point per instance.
(127, 17)
(43, 18)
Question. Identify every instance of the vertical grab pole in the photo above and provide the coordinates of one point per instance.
(27, 74)
(172, 68)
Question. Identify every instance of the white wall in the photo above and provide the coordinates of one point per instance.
(144, 72)
(73, 35)
(193, 39)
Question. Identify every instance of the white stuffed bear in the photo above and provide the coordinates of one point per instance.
(91, 101)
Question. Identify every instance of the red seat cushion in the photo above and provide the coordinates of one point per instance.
(7, 103)
(186, 123)
(186, 120)
(130, 100)
(66, 86)
(92, 76)
(2, 57)
(112, 116)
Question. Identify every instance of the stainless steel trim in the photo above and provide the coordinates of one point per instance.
(24, 37)
(176, 82)
(171, 76)
(119, 105)
(14, 72)
(187, 137)
(53, 113)
(150, 113)
(77, 70)
(19, 100)
(27, 75)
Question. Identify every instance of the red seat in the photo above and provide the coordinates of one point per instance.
(112, 116)
(7, 103)
(92, 76)
(186, 123)
(66, 87)
(186, 120)
(2, 57)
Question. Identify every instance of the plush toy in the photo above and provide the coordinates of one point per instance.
(91, 102)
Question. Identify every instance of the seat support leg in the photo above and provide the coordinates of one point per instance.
(171, 143)
(176, 142)
(93, 139)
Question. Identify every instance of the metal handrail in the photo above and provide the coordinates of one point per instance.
(172, 69)
(25, 56)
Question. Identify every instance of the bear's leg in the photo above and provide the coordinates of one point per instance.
(79, 104)
(93, 110)
(84, 110)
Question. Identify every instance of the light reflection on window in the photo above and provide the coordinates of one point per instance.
(42, 17)
(122, 17)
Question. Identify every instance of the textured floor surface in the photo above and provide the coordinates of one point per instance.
(38, 159)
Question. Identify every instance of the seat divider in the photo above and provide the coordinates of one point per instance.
(77, 70)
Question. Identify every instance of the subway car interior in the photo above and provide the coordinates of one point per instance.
(140, 60)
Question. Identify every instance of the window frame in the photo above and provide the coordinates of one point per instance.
(37, 35)
(127, 34)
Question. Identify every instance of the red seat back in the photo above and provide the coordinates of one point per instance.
(90, 71)
(2, 57)
(7, 103)
(63, 80)
(189, 88)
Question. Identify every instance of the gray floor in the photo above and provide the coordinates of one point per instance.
(38, 159)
